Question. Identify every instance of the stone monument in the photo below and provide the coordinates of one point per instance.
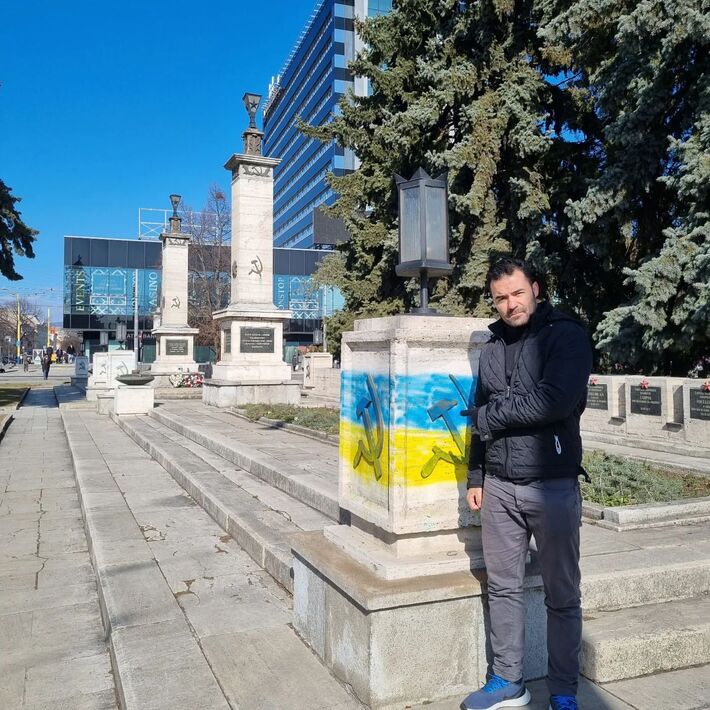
(393, 599)
(174, 337)
(251, 366)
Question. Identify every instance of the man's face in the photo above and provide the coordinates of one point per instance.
(515, 298)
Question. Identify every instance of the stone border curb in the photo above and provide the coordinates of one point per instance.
(5, 421)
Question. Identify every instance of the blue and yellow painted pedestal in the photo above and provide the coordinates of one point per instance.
(404, 445)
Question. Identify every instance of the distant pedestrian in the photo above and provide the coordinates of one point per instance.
(46, 362)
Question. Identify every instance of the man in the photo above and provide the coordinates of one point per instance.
(523, 477)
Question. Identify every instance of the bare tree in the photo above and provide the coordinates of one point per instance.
(209, 263)
(29, 325)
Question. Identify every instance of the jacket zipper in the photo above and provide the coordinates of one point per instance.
(558, 445)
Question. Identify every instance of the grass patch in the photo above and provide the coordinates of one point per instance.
(619, 481)
(317, 418)
(11, 394)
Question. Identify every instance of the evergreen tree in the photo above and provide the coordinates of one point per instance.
(15, 236)
(645, 214)
(457, 87)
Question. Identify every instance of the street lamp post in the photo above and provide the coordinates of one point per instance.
(423, 231)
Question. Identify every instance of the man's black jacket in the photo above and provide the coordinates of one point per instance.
(530, 428)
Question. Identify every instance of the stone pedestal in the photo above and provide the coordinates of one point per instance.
(108, 366)
(174, 337)
(133, 399)
(404, 445)
(403, 642)
(251, 326)
(313, 362)
(393, 603)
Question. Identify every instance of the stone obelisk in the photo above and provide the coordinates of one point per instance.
(175, 338)
(251, 366)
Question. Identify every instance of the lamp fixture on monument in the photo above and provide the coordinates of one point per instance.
(252, 136)
(175, 221)
(423, 231)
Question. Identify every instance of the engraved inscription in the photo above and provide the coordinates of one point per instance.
(597, 397)
(176, 346)
(699, 404)
(646, 400)
(256, 340)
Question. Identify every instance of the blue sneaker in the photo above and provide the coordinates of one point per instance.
(563, 702)
(498, 693)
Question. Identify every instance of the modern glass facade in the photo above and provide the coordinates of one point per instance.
(99, 283)
(314, 78)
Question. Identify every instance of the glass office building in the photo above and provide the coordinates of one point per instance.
(100, 277)
(309, 86)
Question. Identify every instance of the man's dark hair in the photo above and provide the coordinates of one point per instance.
(506, 266)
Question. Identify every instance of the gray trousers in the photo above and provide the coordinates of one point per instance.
(551, 512)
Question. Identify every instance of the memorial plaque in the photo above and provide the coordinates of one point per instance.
(646, 401)
(699, 404)
(597, 397)
(81, 366)
(256, 340)
(176, 346)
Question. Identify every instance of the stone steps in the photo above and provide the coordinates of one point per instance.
(258, 516)
(216, 432)
(146, 631)
(632, 642)
(257, 502)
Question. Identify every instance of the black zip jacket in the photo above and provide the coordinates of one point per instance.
(529, 429)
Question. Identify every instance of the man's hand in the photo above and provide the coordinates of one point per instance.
(474, 498)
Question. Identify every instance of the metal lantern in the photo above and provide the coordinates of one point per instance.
(121, 332)
(175, 221)
(423, 230)
(251, 103)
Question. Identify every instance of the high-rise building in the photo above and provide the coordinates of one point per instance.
(309, 86)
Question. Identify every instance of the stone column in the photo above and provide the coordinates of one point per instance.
(251, 326)
(174, 337)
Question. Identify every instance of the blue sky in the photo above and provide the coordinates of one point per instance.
(108, 107)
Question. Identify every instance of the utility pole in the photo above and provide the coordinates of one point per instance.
(18, 357)
(136, 344)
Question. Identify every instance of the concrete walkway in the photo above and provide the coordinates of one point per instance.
(52, 648)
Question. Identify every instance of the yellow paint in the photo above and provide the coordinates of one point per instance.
(410, 451)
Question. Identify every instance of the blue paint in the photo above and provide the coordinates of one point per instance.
(420, 392)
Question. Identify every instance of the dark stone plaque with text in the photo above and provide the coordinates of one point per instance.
(597, 397)
(699, 404)
(646, 401)
(176, 346)
(256, 340)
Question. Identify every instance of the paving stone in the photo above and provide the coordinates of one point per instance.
(57, 680)
(272, 669)
(685, 689)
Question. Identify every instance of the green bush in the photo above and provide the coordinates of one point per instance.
(318, 418)
(620, 481)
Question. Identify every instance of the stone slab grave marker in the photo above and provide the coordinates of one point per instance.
(655, 407)
(81, 366)
(696, 402)
(606, 405)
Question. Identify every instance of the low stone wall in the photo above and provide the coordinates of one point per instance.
(654, 410)
(326, 382)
